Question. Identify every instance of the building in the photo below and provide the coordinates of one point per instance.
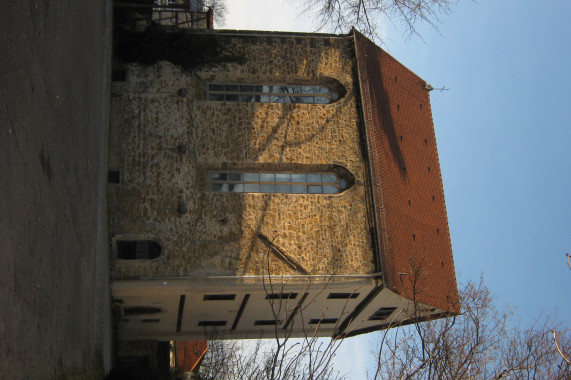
(181, 14)
(188, 355)
(263, 182)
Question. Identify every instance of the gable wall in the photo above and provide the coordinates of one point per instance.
(161, 107)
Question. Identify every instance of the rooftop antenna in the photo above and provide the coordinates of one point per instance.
(429, 87)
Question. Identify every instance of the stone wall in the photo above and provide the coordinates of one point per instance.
(164, 136)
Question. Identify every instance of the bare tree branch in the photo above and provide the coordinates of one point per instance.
(341, 15)
(482, 343)
(558, 348)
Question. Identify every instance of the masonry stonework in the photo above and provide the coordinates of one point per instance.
(165, 136)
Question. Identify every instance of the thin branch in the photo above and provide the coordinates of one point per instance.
(558, 348)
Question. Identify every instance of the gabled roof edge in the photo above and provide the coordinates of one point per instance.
(375, 101)
(378, 237)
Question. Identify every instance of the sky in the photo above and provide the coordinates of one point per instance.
(503, 131)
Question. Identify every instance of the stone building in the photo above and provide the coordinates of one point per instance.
(263, 182)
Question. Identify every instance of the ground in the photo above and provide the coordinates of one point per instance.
(54, 287)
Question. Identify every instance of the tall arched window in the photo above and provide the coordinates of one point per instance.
(278, 93)
(290, 183)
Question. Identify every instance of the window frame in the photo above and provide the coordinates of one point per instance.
(276, 182)
(342, 296)
(219, 297)
(291, 93)
(130, 248)
(382, 313)
(323, 321)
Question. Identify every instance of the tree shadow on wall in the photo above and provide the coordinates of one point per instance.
(183, 48)
(282, 133)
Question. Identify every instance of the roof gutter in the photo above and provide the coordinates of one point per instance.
(311, 276)
(378, 237)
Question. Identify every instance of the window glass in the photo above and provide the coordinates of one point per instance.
(264, 188)
(216, 186)
(216, 97)
(252, 188)
(283, 189)
(298, 178)
(322, 321)
(308, 94)
(218, 176)
(247, 88)
(314, 178)
(219, 297)
(290, 183)
(150, 320)
(329, 178)
(315, 189)
(216, 87)
(299, 189)
(382, 313)
(234, 176)
(267, 177)
(138, 250)
(283, 177)
(136, 310)
(252, 177)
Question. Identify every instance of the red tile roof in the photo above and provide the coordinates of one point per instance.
(189, 354)
(416, 253)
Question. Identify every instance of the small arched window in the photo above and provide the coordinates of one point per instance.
(138, 249)
(278, 93)
(289, 183)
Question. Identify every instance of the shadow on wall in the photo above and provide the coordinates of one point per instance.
(191, 51)
(384, 114)
(280, 135)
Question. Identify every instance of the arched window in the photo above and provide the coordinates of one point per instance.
(264, 93)
(138, 249)
(289, 183)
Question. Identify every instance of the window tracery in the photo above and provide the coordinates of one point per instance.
(288, 183)
(266, 93)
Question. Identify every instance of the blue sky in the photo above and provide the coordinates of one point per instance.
(504, 140)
